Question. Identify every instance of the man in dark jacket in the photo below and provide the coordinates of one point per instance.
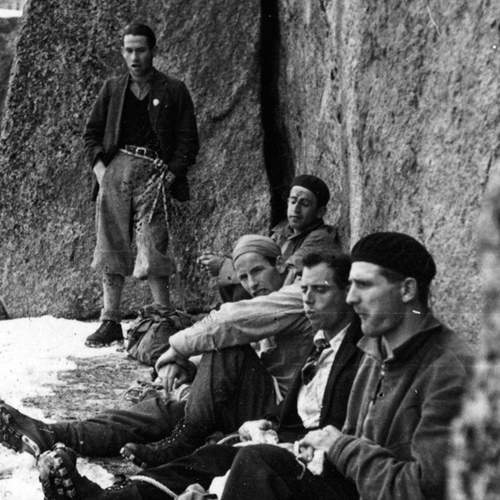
(140, 139)
(318, 396)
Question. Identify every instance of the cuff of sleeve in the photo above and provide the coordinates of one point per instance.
(227, 276)
(334, 453)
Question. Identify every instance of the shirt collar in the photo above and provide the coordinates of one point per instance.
(320, 339)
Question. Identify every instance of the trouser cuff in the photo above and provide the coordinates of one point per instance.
(111, 315)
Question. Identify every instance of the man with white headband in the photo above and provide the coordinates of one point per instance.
(229, 374)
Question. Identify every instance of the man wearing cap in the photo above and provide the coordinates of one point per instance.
(303, 231)
(232, 384)
(140, 139)
(408, 390)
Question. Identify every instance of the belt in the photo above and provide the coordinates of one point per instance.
(140, 152)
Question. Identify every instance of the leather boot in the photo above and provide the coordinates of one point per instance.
(185, 439)
(60, 479)
(22, 433)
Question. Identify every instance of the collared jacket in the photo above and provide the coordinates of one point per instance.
(280, 314)
(172, 116)
(397, 432)
(337, 390)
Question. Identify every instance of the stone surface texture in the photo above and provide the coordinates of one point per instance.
(394, 104)
(65, 52)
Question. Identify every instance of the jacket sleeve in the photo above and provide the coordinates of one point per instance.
(380, 473)
(96, 126)
(324, 238)
(185, 133)
(239, 323)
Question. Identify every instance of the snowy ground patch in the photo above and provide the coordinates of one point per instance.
(32, 352)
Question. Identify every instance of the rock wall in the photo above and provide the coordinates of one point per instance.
(396, 104)
(393, 103)
(65, 52)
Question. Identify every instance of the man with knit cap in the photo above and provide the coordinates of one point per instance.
(301, 232)
(232, 383)
(407, 391)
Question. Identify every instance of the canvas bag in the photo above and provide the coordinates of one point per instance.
(148, 337)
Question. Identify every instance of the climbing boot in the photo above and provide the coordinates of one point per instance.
(185, 439)
(60, 479)
(105, 335)
(22, 433)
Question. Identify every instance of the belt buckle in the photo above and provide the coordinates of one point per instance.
(138, 151)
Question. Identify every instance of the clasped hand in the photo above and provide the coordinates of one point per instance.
(174, 370)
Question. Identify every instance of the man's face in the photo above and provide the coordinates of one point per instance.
(377, 301)
(302, 208)
(257, 276)
(137, 55)
(324, 302)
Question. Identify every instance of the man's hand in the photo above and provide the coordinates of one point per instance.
(211, 262)
(99, 169)
(173, 376)
(174, 370)
(322, 439)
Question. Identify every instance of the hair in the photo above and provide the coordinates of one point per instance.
(139, 29)
(339, 262)
(422, 288)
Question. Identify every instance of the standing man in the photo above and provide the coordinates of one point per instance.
(140, 139)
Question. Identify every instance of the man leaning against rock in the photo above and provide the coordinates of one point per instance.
(303, 231)
(396, 436)
(140, 139)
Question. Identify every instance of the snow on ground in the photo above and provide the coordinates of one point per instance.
(32, 352)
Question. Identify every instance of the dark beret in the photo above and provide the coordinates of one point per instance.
(315, 185)
(398, 252)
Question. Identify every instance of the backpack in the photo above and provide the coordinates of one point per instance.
(148, 337)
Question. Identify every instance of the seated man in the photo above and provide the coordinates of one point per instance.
(225, 380)
(303, 231)
(318, 395)
(396, 436)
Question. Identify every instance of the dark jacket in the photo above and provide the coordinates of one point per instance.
(397, 431)
(338, 389)
(317, 237)
(172, 116)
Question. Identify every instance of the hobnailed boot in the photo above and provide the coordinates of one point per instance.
(185, 439)
(61, 479)
(105, 335)
(22, 433)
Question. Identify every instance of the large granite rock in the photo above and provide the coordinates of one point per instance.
(396, 105)
(65, 52)
(393, 103)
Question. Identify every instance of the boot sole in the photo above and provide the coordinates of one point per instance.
(129, 455)
(98, 345)
(55, 469)
(11, 436)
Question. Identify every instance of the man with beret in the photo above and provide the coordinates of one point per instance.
(140, 140)
(396, 436)
(232, 383)
(303, 231)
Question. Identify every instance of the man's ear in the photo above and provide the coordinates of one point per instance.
(409, 289)
(320, 213)
(154, 50)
